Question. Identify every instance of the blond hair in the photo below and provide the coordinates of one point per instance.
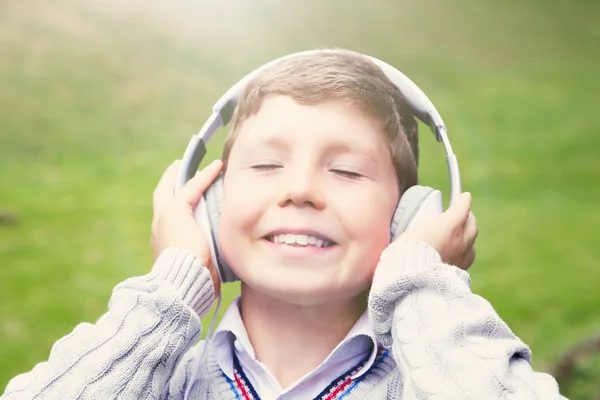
(340, 75)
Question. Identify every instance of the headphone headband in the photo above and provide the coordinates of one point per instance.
(223, 110)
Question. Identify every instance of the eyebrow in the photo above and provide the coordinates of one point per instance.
(337, 147)
(341, 147)
(275, 142)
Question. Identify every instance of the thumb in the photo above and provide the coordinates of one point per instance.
(459, 211)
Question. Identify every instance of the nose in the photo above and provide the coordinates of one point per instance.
(302, 189)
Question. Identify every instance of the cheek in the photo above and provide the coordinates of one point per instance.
(240, 203)
(367, 222)
(369, 218)
(233, 220)
(241, 210)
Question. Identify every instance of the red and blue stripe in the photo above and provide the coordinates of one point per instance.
(338, 389)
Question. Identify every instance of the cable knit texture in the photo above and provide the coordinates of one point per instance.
(443, 341)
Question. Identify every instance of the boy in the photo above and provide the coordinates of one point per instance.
(321, 150)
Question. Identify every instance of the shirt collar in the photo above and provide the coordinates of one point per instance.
(231, 333)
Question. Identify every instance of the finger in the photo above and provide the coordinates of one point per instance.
(164, 189)
(459, 211)
(468, 258)
(471, 230)
(192, 191)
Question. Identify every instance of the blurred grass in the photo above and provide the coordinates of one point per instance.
(97, 98)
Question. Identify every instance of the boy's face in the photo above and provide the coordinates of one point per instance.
(300, 174)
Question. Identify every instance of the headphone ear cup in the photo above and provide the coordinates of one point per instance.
(417, 203)
(213, 197)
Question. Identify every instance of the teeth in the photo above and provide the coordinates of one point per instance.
(290, 239)
(302, 240)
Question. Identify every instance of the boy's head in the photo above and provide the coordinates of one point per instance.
(348, 77)
(321, 148)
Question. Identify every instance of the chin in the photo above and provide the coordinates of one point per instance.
(303, 289)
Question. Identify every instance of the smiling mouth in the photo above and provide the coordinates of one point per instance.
(300, 240)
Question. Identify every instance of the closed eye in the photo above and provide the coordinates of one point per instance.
(265, 167)
(347, 174)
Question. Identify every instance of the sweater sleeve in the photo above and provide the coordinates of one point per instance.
(133, 350)
(447, 342)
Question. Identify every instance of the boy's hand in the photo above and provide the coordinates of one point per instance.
(451, 233)
(173, 224)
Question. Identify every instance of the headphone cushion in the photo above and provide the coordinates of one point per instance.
(213, 196)
(408, 207)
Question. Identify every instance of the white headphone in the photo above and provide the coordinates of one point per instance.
(416, 204)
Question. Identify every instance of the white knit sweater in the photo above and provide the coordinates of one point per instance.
(443, 341)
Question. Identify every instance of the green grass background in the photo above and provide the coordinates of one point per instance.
(98, 97)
